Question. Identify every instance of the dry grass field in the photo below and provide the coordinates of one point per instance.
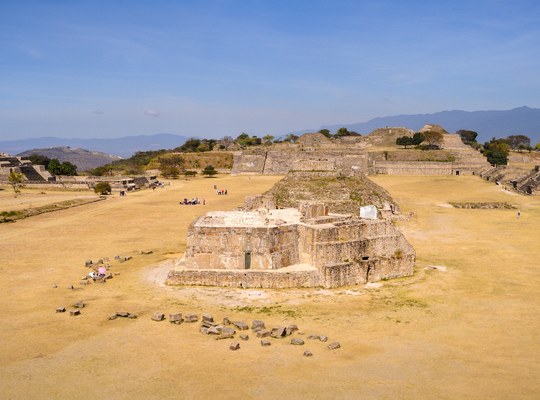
(468, 330)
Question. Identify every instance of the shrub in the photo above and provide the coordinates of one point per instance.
(102, 188)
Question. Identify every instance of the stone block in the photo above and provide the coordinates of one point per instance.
(278, 332)
(308, 353)
(74, 312)
(290, 329)
(334, 345)
(323, 338)
(79, 304)
(234, 346)
(61, 309)
(297, 341)
(158, 316)
(241, 325)
(257, 325)
(244, 336)
(191, 318)
(207, 318)
(263, 333)
(176, 318)
(265, 342)
(226, 321)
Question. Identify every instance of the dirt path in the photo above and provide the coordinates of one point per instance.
(467, 332)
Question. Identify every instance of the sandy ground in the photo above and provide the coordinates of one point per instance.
(466, 329)
(29, 198)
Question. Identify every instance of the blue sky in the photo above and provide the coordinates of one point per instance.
(215, 68)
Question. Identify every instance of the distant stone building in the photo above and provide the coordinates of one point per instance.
(30, 173)
(262, 246)
(358, 155)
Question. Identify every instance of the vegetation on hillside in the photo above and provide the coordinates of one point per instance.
(53, 165)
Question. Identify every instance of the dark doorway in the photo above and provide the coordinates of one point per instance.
(457, 172)
(247, 260)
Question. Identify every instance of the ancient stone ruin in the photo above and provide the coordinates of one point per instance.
(361, 155)
(261, 246)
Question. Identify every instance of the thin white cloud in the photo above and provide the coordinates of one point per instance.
(152, 113)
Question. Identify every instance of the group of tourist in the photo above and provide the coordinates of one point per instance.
(220, 191)
(98, 273)
(193, 201)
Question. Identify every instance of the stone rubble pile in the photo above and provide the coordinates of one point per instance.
(227, 329)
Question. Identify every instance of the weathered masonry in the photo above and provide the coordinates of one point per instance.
(280, 248)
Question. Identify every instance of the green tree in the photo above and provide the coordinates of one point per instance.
(417, 138)
(466, 136)
(404, 141)
(15, 179)
(38, 159)
(342, 132)
(434, 139)
(537, 147)
(209, 171)
(518, 141)
(291, 138)
(496, 151)
(268, 139)
(326, 133)
(56, 167)
(103, 188)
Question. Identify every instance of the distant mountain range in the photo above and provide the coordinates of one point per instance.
(124, 147)
(488, 124)
(83, 159)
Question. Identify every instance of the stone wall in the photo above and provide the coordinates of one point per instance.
(281, 161)
(422, 168)
(242, 279)
(219, 248)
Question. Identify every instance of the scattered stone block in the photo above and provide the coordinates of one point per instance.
(334, 345)
(204, 330)
(79, 304)
(191, 318)
(297, 341)
(226, 321)
(234, 346)
(291, 329)
(241, 325)
(207, 317)
(146, 252)
(74, 312)
(226, 333)
(176, 318)
(88, 263)
(257, 325)
(123, 314)
(244, 336)
(61, 309)
(158, 316)
(265, 342)
(313, 337)
(213, 330)
(278, 332)
(113, 317)
(308, 353)
(323, 338)
(54, 286)
(100, 261)
(127, 258)
(132, 316)
(117, 257)
(263, 333)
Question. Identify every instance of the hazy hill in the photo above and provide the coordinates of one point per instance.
(123, 147)
(83, 159)
(522, 120)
